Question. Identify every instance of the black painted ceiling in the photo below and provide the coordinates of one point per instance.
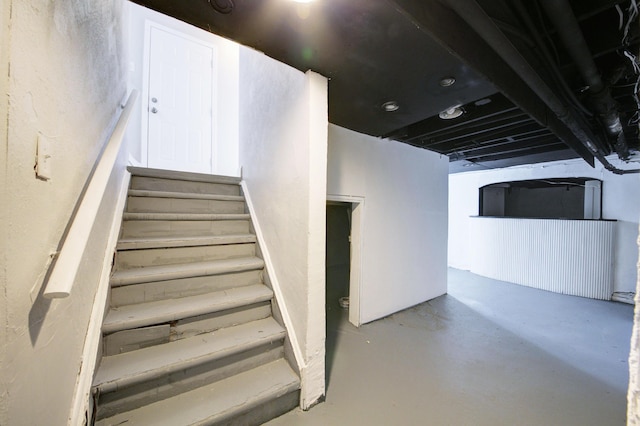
(375, 51)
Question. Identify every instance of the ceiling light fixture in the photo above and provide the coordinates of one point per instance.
(222, 6)
(302, 1)
(447, 81)
(390, 106)
(451, 113)
(482, 102)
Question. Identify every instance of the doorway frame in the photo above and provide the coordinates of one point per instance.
(355, 267)
(144, 105)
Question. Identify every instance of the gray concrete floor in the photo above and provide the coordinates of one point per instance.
(487, 353)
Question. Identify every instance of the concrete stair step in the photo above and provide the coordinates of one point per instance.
(166, 242)
(138, 338)
(150, 204)
(182, 287)
(127, 369)
(169, 385)
(182, 228)
(185, 216)
(220, 402)
(171, 185)
(181, 255)
(183, 195)
(178, 175)
(163, 311)
(195, 269)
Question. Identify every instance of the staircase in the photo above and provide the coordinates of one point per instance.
(190, 337)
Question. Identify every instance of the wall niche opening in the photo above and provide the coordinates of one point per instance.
(556, 198)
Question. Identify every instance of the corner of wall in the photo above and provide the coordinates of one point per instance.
(633, 394)
(5, 24)
(283, 147)
(313, 384)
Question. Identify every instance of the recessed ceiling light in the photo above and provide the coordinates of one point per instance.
(447, 81)
(481, 102)
(390, 106)
(451, 113)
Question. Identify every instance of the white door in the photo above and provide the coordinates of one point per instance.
(180, 103)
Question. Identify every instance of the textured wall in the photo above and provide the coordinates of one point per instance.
(404, 230)
(283, 153)
(65, 83)
(633, 398)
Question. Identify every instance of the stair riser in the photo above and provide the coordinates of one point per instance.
(178, 255)
(265, 412)
(173, 384)
(184, 287)
(151, 243)
(127, 340)
(179, 205)
(170, 185)
(168, 311)
(192, 326)
(131, 340)
(182, 228)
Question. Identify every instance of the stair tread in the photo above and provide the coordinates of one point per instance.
(185, 216)
(187, 176)
(162, 311)
(118, 371)
(186, 195)
(185, 270)
(134, 243)
(216, 402)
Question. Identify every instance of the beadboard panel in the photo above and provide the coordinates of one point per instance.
(564, 256)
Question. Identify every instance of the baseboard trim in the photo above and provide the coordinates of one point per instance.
(81, 398)
(275, 284)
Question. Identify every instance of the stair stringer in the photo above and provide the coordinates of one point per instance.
(82, 404)
(293, 351)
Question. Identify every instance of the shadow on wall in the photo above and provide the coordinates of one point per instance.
(41, 305)
(38, 312)
(337, 273)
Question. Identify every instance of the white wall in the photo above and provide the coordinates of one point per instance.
(66, 82)
(633, 395)
(404, 248)
(283, 151)
(620, 201)
(225, 148)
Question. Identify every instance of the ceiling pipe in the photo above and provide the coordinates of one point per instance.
(521, 11)
(475, 16)
(565, 22)
(613, 169)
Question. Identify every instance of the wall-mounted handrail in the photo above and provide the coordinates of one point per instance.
(68, 261)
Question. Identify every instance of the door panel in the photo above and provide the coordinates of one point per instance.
(180, 103)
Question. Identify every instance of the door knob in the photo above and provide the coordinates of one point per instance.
(154, 100)
(154, 110)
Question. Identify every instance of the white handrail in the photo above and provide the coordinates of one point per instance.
(68, 261)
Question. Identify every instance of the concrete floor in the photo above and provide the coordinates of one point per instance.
(487, 353)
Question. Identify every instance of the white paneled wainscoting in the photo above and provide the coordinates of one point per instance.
(573, 257)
